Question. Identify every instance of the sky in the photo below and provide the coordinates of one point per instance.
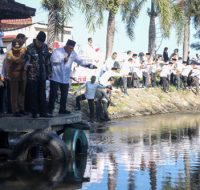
(121, 42)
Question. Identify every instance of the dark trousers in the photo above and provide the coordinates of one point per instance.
(153, 79)
(184, 80)
(124, 84)
(178, 81)
(38, 96)
(146, 79)
(165, 84)
(54, 94)
(135, 80)
(90, 104)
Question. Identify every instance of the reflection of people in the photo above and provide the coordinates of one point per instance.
(62, 59)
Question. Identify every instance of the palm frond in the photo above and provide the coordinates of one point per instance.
(130, 12)
(165, 15)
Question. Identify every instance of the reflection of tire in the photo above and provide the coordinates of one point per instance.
(76, 168)
(51, 146)
(76, 141)
(44, 178)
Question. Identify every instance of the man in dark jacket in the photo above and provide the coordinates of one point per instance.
(37, 73)
(102, 101)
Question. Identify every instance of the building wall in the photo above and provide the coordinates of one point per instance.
(32, 31)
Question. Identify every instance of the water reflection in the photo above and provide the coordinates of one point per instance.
(160, 152)
(147, 153)
(43, 175)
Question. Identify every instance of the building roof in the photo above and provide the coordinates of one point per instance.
(9, 9)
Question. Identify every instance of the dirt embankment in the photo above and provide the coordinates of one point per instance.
(154, 101)
(147, 102)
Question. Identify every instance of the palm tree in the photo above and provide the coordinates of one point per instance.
(130, 10)
(54, 7)
(191, 11)
(59, 11)
(169, 15)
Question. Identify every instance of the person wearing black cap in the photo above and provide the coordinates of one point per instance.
(62, 60)
(37, 73)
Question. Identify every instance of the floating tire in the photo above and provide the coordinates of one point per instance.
(49, 144)
(76, 141)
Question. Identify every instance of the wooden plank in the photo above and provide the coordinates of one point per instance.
(28, 124)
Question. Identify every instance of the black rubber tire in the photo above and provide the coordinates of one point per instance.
(50, 142)
(76, 141)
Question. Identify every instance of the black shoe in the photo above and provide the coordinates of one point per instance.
(64, 112)
(34, 115)
(17, 114)
(46, 115)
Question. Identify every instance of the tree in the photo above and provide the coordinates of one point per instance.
(191, 10)
(129, 11)
(170, 14)
(59, 12)
(54, 19)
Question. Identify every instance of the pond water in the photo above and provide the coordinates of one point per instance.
(145, 153)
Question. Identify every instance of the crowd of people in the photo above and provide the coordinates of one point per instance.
(143, 71)
(25, 71)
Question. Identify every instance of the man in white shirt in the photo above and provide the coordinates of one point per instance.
(164, 76)
(89, 94)
(62, 60)
(110, 62)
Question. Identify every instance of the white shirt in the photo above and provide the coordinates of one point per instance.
(109, 64)
(165, 71)
(61, 71)
(125, 68)
(90, 89)
(186, 70)
(105, 76)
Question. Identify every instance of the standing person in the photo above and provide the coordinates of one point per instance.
(124, 71)
(62, 60)
(21, 38)
(146, 68)
(164, 76)
(16, 76)
(89, 94)
(165, 54)
(37, 74)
